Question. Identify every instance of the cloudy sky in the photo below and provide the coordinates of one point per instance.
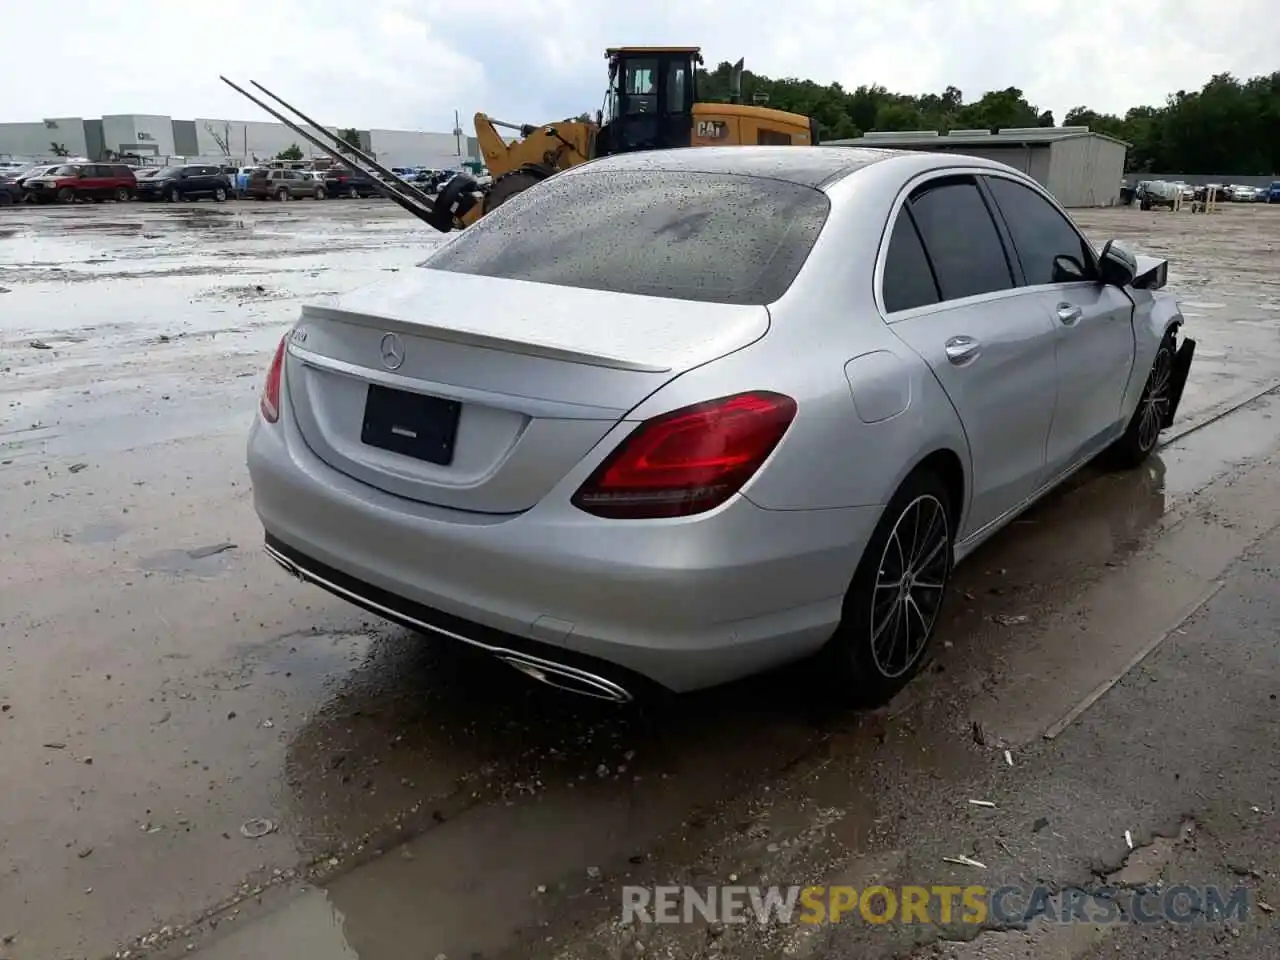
(410, 63)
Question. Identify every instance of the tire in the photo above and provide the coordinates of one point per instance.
(507, 186)
(220, 195)
(122, 195)
(319, 193)
(66, 195)
(884, 630)
(282, 194)
(353, 193)
(173, 196)
(1143, 433)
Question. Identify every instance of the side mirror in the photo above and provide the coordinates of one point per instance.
(1117, 264)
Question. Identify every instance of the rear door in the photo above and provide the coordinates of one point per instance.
(1093, 322)
(949, 291)
(93, 180)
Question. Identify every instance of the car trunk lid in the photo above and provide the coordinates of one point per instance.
(479, 393)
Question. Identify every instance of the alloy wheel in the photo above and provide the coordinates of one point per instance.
(909, 585)
(1155, 399)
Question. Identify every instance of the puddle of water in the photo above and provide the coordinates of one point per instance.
(308, 926)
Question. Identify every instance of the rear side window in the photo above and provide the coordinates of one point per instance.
(713, 238)
(908, 278)
(1040, 234)
(961, 239)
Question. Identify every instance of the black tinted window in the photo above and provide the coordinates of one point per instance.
(960, 238)
(1040, 234)
(908, 279)
(690, 236)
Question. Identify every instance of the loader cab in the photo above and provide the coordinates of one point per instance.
(649, 103)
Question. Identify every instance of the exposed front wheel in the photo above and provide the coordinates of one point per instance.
(282, 195)
(892, 605)
(1142, 434)
(173, 196)
(66, 195)
(353, 193)
(122, 194)
(319, 193)
(220, 195)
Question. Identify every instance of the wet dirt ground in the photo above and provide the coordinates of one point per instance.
(162, 684)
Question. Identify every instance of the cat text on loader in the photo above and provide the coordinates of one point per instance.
(650, 104)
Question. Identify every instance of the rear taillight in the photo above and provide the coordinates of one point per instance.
(688, 461)
(270, 404)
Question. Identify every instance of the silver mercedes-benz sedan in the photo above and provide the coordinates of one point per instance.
(673, 418)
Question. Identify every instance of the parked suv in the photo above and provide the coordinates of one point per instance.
(83, 181)
(284, 185)
(186, 183)
(348, 183)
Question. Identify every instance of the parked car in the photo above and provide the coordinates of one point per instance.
(737, 441)
(1153, 194)
(189, 182)
(283, 185)
(1243, 193)
(69, 182)
(1273, 192)
(13, 181)
(348, 183)
(240, 183)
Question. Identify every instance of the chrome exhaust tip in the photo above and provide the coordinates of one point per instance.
(560, 676)
(569, 679)
(289, 566)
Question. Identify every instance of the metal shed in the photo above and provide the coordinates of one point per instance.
(1079, 167)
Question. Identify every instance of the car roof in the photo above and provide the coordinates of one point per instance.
(817, 167)
(807, 166)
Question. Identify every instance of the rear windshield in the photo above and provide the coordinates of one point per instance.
(713, 238)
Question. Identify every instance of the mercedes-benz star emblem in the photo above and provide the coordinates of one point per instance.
(392, 351)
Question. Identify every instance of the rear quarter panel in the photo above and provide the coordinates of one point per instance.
(831, 457)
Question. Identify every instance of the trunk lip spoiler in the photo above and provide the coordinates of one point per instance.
(517, 403)
(483, 340)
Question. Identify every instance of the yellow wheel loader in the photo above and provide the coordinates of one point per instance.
(651, 104)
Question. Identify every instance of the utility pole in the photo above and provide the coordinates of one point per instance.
(457, 132)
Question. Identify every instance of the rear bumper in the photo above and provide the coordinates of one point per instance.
(685, 604)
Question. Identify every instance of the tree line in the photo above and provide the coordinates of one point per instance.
(1229, 126)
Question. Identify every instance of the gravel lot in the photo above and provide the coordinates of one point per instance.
(162, 683)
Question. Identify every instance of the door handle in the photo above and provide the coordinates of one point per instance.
(1069, 314)
(960, 350)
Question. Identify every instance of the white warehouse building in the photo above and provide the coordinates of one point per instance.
(156, 138)
(22, 141)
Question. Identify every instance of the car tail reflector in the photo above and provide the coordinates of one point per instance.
(270, 404)
(688, 461)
